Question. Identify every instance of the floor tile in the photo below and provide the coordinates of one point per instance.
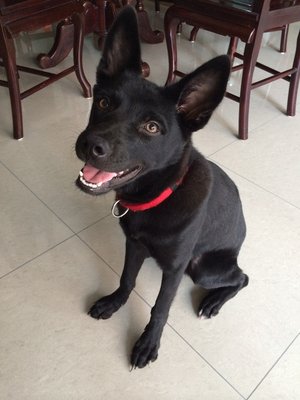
(28, 227)
(283, 382)
(270, 158)
(52, 350)
(47, 164)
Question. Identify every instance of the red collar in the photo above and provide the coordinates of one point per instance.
(149, 204)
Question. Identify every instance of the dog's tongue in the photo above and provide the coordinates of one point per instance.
(94, 175)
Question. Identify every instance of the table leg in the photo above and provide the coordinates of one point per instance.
(61, 48)
(146, 32)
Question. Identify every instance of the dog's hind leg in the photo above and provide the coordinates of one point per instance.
(219, 272)
(134, 258)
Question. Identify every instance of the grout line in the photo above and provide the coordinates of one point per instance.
(205, 360)
(92, 224)
(110, 267)
(97, 254)
(73, 233)
(220, 149)
(251, 132)
(276, 362)
(37, 197)
(37, 256)
(255, 130)
(256, 184)
(50, 209)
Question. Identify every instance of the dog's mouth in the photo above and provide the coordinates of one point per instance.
(94, 181)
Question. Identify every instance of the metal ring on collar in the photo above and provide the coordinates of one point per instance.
(114, 209)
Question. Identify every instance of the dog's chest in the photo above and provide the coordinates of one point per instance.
(163, 240)
(144, 227)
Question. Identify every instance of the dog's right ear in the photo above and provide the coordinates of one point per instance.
(122, 49)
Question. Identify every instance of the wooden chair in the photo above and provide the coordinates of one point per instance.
(29, 15)
(245, 20)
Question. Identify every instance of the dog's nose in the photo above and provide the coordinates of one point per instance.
(92, 147)
(99, 150)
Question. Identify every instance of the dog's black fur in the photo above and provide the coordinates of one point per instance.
(145, 130)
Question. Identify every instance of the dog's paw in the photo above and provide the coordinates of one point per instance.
(144, 351)
(105, 307)
(210, 306)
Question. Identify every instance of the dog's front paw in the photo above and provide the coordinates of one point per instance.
(144, 351)
(105, 307)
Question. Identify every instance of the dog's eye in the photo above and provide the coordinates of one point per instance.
(103, 103)
(152, 128)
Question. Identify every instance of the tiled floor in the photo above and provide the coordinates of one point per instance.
(61, 250)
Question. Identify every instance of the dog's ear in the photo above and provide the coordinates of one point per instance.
(122, 49)
(199, 93)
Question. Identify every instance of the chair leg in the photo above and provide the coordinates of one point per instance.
(9, 60)
(232, 48)
(61, 48)
(179, 29)
(171, 24)
(157, 6)
(294, 83)
(193, 33)
(283, 40)
(250, 58)
(78, 21)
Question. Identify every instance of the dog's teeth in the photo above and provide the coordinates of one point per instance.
(89, 184)
(80, 173)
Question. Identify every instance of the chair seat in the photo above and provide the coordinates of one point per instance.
(228, 23)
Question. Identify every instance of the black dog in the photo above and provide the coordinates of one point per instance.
(173, 204)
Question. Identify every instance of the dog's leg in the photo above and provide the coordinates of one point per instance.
(134, 258)
(219, 272)
(146, 348)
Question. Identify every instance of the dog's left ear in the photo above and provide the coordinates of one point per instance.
(122, 46)
(199, 93)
